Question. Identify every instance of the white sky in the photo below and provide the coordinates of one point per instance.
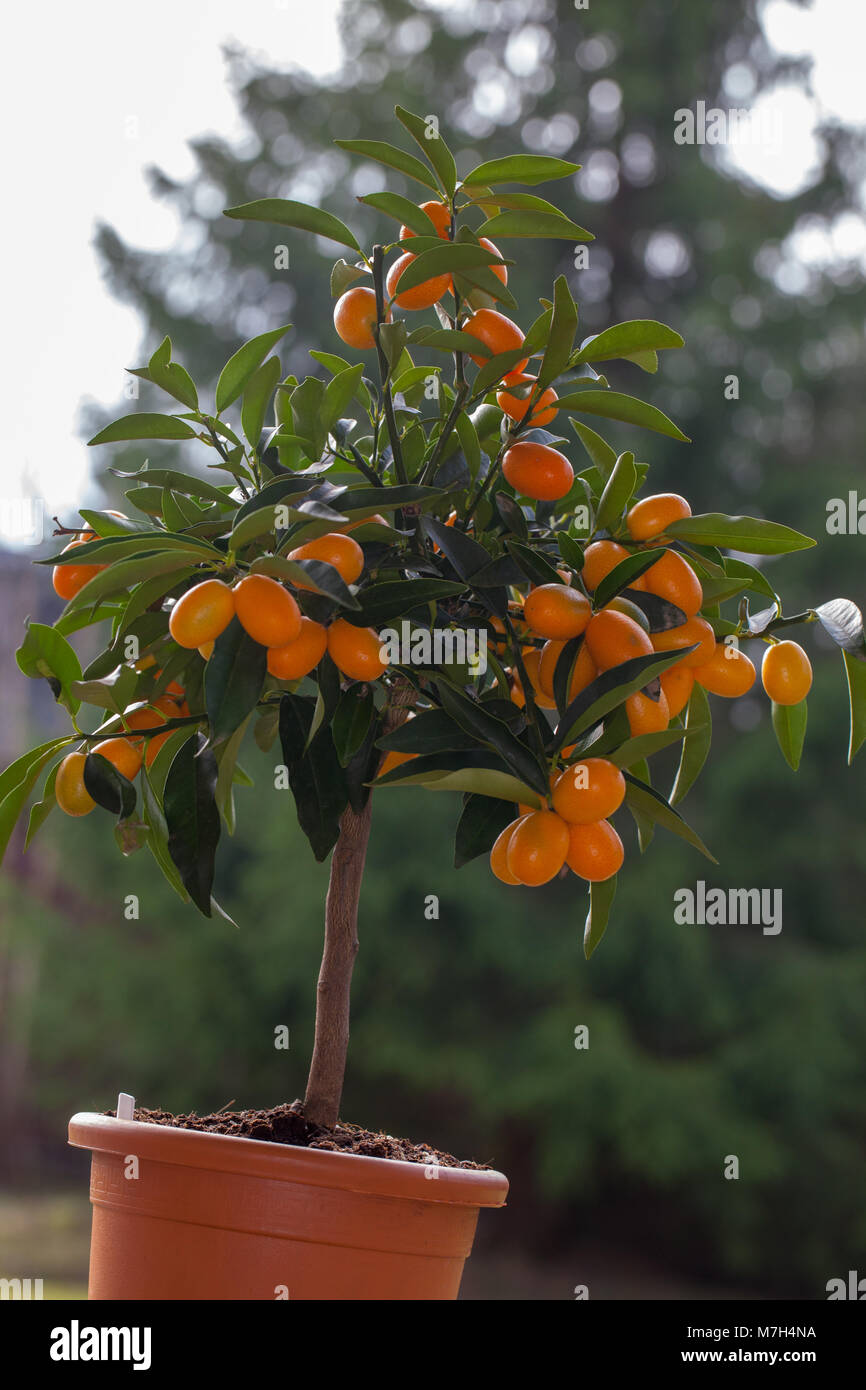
(108, 90)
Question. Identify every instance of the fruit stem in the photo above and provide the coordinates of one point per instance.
(384, 369)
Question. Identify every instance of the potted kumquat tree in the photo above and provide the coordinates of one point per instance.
(559, 625)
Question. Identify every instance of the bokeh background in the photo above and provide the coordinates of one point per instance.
(704, 1041)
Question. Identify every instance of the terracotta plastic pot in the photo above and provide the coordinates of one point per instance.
(180, 1214)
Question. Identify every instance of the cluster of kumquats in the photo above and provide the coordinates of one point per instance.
(533, 470)
(574, 829)
(267, 612)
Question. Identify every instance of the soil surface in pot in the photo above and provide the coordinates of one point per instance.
(285, 1124)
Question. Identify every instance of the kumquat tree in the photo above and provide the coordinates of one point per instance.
(395, 574)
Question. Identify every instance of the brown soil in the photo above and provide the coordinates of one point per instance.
(285, 1124)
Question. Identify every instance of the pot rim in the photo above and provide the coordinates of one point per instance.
(259, 1158)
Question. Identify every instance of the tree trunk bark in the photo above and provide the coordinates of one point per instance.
(327, 1069)
(328, 1066)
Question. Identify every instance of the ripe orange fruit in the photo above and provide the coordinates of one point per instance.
(583, 672)
(343, 552)
(648, 518)
(677, 684)
(557, 610)
(498, 334)
(532, 662)
(267, 611)
(69, 789)
(590, 790)
(595, 851)
(515, 406)
(355, 317)
(672, 578)
(645, 715)
(69, 579)
(728, 672)
(499, 854)
(500, 271)
(440, 216)
(537, 471)
(598, 561)
(422, 296)
(537, 849)
(786, 673)
(205, 650)
(122, 753)
(298, 658)
(550, 654)
(202, 613)
(613, 637)
(355, 651)
(686, 635)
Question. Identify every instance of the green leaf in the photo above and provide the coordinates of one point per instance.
(113, 693)
(699, 718)
(233, 681)
(626, 340)
(610, 689)
(601, 896)
(178, 482)
(41, 810)
(257, 395)
(547, 225)
(649, 803)
(855, 672)
(241, 365)
(108, 787)
(602, 455)
(644, 745)
(45, 653)
(431, 731)
(487, 729)
(314, 574)
(482, 820)
(18, 781)
(317, 781)
(120, 576)
(382, 602)
(789, 726)
(751, 534)
(617, 491)
(426, 136)
(192, 819)
(495, 368)
(534, 565)
(402, 210)
(615, 406)
(351, 723)
(562, 330)
(157, 838)
(393, 157)
(339, 392)
(842, 620)
(229, 772)
(107, 550)
(284, 212)
(446, 258)
(485, 781)
(171, 376)
(519, 168)
(144, 426)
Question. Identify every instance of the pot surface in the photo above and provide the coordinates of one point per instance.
(183, 1214)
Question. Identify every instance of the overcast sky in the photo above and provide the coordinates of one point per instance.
(95, 91)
